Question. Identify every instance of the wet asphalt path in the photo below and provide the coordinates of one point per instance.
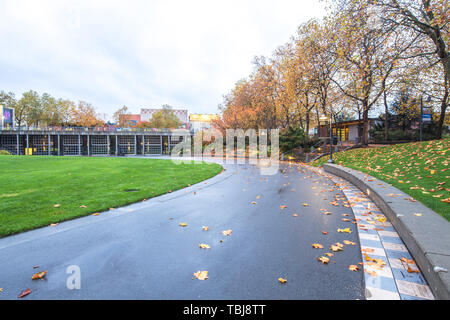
(140, 252)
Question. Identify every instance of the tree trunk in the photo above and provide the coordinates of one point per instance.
(443, 114)
(365, 137)
(307, 123)
(386, 118)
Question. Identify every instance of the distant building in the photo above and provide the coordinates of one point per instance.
(183, 115)
(200, 122)
(130, 119)
(146, 115)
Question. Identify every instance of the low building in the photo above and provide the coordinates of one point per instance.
(199, 122)
(350, 131)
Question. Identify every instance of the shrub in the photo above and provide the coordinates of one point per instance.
(4, 153)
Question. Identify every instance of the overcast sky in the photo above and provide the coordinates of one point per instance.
(141, 53)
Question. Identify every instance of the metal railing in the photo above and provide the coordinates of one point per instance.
(108, 129)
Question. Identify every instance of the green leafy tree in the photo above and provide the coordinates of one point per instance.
(165, 118)
(292, 138)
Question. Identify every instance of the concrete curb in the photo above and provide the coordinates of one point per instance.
(427, 237)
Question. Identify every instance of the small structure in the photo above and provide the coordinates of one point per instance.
(101, 141)
(350, 131)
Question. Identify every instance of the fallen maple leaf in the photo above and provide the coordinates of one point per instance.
(324, 232)
(324, 260)
(336, 248)
(205, 228)
(349, 243)
(24, 293)
(183, 224)
(204, 246)
(408, 261)
(39, 275)
(281, 280)
(283, 207)
(317, 246)
(201, 275)
(57, 206)
(353, 268)
(411, 270)
(295, 215)
(346, 230)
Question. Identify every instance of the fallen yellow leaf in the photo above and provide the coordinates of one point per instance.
(201, 275)
(353, 268)
(324, 260)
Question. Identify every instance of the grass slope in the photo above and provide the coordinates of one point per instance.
(30, 187)
(419, 169)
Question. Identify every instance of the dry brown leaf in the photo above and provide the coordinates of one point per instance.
(39, 275)
(24, 293)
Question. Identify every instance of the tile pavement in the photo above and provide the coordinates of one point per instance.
(395, 276)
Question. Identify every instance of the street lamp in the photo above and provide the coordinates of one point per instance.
(325, 119)
(422, 115)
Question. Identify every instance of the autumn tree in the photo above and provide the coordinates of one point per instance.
(430, 19)
(84, 115)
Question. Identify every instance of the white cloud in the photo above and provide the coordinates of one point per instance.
(141, 53)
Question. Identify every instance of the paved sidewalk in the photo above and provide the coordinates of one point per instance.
(400, 278)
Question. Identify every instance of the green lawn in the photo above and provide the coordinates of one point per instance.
(39, 191)
(418, 169)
